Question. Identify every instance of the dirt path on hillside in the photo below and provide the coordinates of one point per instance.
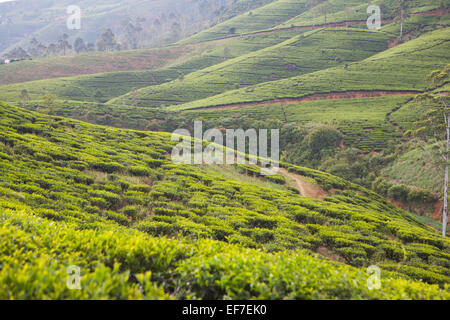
(312, 97)
(307, 189)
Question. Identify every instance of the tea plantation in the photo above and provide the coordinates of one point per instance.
(304, 53)
(87, 181)
(101, 87)
(111, 202)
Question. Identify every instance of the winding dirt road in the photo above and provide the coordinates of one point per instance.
(307, 189)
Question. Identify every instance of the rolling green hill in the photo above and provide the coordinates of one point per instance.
(261, 18)
(402, 68)
(113, 84)
(95, 62)
(101, 198)
(338, 11)
(362, 121)
(302, 54)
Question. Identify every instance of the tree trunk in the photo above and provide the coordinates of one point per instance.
(401, 24)
(284, 113)
(444, 211)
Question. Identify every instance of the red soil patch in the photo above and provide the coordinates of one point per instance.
(440, 12)
(333, 256)
(436, 215)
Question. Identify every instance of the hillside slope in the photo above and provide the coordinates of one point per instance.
(412, 61)
(113, 84)
(162, 21)
(93, 178)
(261, 18)
(302, 54)
(95, 62)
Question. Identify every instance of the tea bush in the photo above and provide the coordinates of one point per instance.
(104, 217)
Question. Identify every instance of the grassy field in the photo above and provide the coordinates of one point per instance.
(362, 121)
(96, 197)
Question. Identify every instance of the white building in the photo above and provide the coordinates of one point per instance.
(7, 61)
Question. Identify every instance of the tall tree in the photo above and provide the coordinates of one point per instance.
(18, 54)
(63, 44)
(79, 45)
(24, 97)
(107, 41)
(404, 5)
(52, 49)
(131, 31)
(324, 10)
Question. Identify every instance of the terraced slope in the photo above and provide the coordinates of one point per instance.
(113, 84)
(95, 62)
(100, 186)
(354, 12)
(261, 18)
(402, 69)
(302, 54)
(331, 13)
(362, 121)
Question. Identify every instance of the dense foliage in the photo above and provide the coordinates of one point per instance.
(101, 184)
(109, 200)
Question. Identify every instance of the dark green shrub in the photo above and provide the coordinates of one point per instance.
(108, 167)
(305, 216)
(43, 157)
(93, 210)
(131, 211)
(99, 202)
(258, 234)
(398, 192)
(117, 217)
(140, 188)
(139, 171)
(157, 228)
(420, 196)
(154, 163)
(279, 179)
(112, 199)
